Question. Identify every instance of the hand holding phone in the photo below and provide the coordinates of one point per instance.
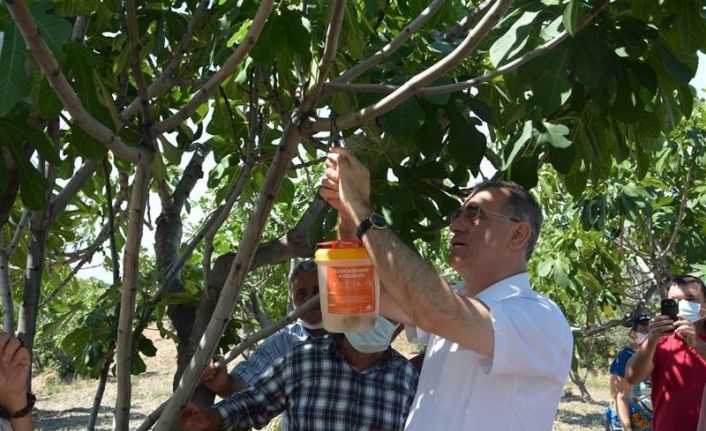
(669, 308)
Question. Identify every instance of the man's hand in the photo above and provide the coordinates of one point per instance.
(346, 184)
(14, 370)
(14, 364)
(197, 418)
(660, 326)
(215, 376)
(686, 331)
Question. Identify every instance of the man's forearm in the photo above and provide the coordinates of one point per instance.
(14, 402)
(346, 228)
(640, 365)
(410, 281)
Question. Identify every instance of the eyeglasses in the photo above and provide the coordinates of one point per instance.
(472, 214)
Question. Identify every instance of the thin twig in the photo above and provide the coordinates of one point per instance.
(18, 233)
(422, 79)
(682, 210)
(135, 51)
(387, 50)
(223, 73)
(465, 24)
(161, 84)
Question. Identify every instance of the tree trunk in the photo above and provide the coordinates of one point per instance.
(8, 307)
(131, 260)
(248, 246)
(581, 384)
(99, 397)
(32, 282)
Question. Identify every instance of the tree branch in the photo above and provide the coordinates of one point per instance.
(420, 80)
(465, 24)
(192, 173)
(131, 261)
(168, 76)
(10, 250)
(387, 50)
(71, 189)
(236, 276)
(475, 82)
(245, 344)
(8, 307)
(69, 98)
(225, 71)
(333, 34)
(135, 50)
(682, 211)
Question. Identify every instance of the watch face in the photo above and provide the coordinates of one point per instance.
(378, 221)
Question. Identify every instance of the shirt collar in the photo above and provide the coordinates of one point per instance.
(516, 285)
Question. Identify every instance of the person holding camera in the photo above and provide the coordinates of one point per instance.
(674, 356)
(500, 352)
(628, 410)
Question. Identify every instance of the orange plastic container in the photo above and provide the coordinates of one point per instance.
(348, 286)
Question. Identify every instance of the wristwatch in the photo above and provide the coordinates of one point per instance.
(374, 220)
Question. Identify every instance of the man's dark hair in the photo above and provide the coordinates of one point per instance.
(520, 204)
(683, 280)
(307, 266)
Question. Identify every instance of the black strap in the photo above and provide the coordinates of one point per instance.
(31, 399)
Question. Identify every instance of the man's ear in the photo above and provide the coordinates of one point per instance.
(520, 235)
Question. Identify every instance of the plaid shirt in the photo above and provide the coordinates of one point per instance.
(320, 391)
(272, 348)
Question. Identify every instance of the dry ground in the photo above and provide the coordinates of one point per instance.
(65, 405)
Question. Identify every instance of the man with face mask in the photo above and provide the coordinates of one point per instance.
(627, 412)
(674, 356)
(303, 284)
(351, 381)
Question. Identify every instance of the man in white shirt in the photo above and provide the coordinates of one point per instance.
(500, 352)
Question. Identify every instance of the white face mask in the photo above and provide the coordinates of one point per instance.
(308, 325)
(375, 340)
(641, 337)
(690, 310)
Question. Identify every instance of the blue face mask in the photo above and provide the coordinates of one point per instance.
(375, 340)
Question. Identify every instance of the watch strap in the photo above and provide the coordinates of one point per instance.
(366, 224)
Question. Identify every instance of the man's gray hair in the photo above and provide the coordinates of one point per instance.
(307, 266)
(520, 204)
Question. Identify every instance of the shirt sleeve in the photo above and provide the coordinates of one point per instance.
(415, 334)
(256, 405)
(531, 337)
(620, 362)
(272, 348)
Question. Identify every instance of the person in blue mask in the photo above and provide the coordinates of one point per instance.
(349, 381)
